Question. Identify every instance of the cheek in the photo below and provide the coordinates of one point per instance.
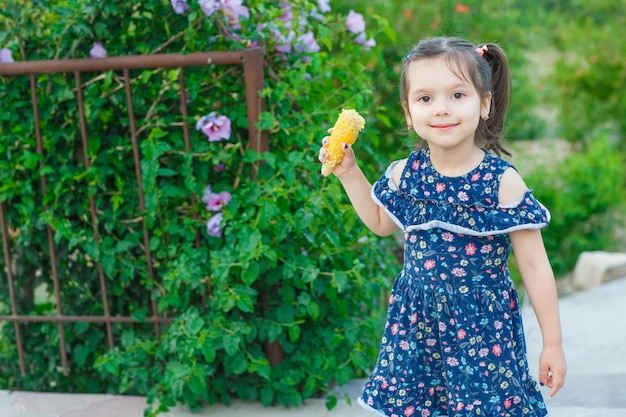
(417, 112)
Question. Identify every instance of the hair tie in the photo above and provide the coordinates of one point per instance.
(481, 50)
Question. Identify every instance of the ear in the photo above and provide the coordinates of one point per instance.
(407, 115)
(485, 105)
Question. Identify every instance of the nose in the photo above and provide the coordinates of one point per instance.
(441, 108)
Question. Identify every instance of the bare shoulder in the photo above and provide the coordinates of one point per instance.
(396, 172)
(512, 187)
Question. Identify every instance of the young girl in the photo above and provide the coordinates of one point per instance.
(453, 343)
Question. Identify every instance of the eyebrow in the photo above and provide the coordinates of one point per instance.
(458, 86)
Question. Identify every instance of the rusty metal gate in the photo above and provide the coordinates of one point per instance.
(252, 62)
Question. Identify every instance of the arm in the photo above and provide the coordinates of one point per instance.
(538, 278)
(359, 191)
(534, 266)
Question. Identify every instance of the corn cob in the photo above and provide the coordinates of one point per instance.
(346, 129)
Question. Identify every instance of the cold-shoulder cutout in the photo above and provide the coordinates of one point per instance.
(397, 170)
(512, 187)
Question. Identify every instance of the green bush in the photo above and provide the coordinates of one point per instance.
(590, 72)
(287, 260)
(581, 192)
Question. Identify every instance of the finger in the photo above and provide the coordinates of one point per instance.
(347, 150)
(544, 375)
(325, 141)
(322, 155)
(557, 382)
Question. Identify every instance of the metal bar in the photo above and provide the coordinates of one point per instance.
(142, 206)
(125, 62)
(253, 74)
(51, 247)
(183, 110)
(87, 319)
(92, 205)
(7, 261)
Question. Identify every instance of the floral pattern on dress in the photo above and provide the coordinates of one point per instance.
(453, 343)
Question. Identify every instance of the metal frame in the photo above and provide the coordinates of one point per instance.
(252, 62)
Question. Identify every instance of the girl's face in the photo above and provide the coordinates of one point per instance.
(443, 108)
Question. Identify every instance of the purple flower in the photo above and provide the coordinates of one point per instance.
(209, 6)
(307, 43)
(216, 127)
(323, 5)
(367, 43)
(283, 44)
(355, 22)
(235, 9)
(287, 16)
(213, 225)
(98, 51)
(219, 167)
(6, 56)
(232, 9)
(215, 202)
(207, 192)
(179, 6)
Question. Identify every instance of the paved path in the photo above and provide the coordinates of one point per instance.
(594, 338)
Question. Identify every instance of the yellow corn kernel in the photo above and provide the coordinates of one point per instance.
(346, 129)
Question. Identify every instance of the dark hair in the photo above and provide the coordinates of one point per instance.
(488, 73)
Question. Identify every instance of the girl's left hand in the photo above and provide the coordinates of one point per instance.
(552, 368)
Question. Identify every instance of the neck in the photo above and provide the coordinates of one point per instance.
(456, 162)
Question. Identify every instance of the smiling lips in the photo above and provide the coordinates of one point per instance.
(444, 126)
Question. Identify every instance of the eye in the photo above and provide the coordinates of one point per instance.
(424, 99)
(458, 96)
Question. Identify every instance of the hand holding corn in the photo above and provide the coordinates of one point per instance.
(346, 129)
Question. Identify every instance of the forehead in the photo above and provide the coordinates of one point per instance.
(437, 71)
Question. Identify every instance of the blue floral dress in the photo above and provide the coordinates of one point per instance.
(453, 343)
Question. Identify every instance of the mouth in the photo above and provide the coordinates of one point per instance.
(444, 126)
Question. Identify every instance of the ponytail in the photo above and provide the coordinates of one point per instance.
(497, 80)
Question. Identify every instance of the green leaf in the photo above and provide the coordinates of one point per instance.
(110, 365)
(80, 353)
(294, 333)
(250, 273)
(193, 325)
(310, 386)
(124, 245)
(267, 396)
(245, 304)
(313, 309)
(237, 364)
(339, 280)
(128, 338)
(140, 314)
(343, 375)
(208, 351)
(231, 344)
(288, 294)
(197, 381)
(285, 314)
(167, 172)
(260, 367)
(108, 265)
(310, 274)
(249, 241)
(266, 121)
(331, 402)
